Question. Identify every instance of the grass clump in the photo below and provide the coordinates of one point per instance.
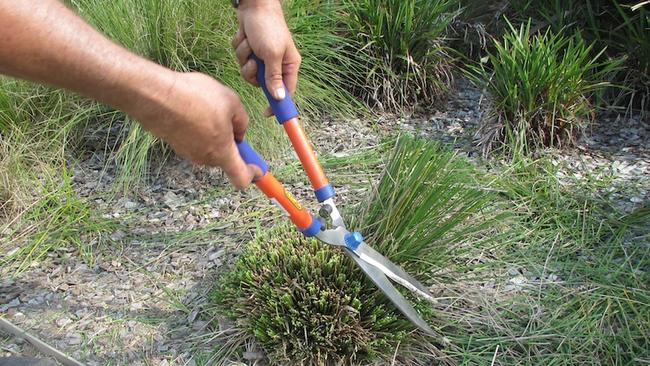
(622, 27)
(403, 49)
(305, 303)
(540, 85)
(39, 210)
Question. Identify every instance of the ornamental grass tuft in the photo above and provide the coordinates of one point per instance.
(540, 87)
(403, 50)
(302, 302)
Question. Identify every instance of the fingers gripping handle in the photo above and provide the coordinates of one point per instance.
(284, 109)
(286, 113)
(274, 190)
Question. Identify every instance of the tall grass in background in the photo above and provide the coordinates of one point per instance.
(540, 87)
(621, 27)
(39, 210)
(195, 36)
(404, 49)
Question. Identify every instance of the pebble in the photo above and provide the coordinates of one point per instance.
(11, 304)
(172, 200)
(74, 339)
(513, 271)
(518, 280)
(62, 322)
(118, 235)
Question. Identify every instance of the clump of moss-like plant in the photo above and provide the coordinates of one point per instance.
(305, 303)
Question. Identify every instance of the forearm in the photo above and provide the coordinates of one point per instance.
(45, 42)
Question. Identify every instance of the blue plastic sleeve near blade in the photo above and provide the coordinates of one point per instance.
(284, 109)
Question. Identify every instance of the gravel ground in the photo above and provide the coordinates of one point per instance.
(140, 301)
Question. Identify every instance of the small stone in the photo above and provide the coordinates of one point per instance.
(130, 205)
(11, 304)
(216, 255)
(518, 280)
(118, 235)
(552, 277)
(74, 339)
(636, 199)
(172, 200)
(62, 322)
(513, 271)
(19, 317)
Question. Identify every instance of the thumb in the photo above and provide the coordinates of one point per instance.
(273, 76)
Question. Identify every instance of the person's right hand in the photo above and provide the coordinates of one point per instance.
(201, 119)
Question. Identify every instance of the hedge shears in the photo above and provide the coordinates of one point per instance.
(329, 227)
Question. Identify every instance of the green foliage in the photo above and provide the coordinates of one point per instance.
(57, 220)
(419, 213)
(625, 32)
(39, 210)
(403, 46)
(306, 303)
(540, 87)
(598, 311)
(617, 26)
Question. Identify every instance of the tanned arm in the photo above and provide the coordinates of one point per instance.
(200, 118)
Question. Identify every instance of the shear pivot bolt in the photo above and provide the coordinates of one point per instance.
(353, 240)
(325, 211)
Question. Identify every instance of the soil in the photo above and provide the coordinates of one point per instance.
(141, 299)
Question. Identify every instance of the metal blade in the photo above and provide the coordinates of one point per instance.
(378, 277)
(390, 269)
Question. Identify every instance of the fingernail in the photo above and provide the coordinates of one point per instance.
(281, 93)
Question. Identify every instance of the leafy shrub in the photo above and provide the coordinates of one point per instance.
(403, 46)
(304, 302)
(540, 87)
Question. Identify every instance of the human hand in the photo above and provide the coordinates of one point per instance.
(201, 119)
(263, 31)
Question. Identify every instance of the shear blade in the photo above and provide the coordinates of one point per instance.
(377, 276)
(393, 271)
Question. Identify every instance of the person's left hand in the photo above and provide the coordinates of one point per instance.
(262, 30)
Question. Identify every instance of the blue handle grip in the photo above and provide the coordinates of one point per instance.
(284, 109)
(250, 156)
